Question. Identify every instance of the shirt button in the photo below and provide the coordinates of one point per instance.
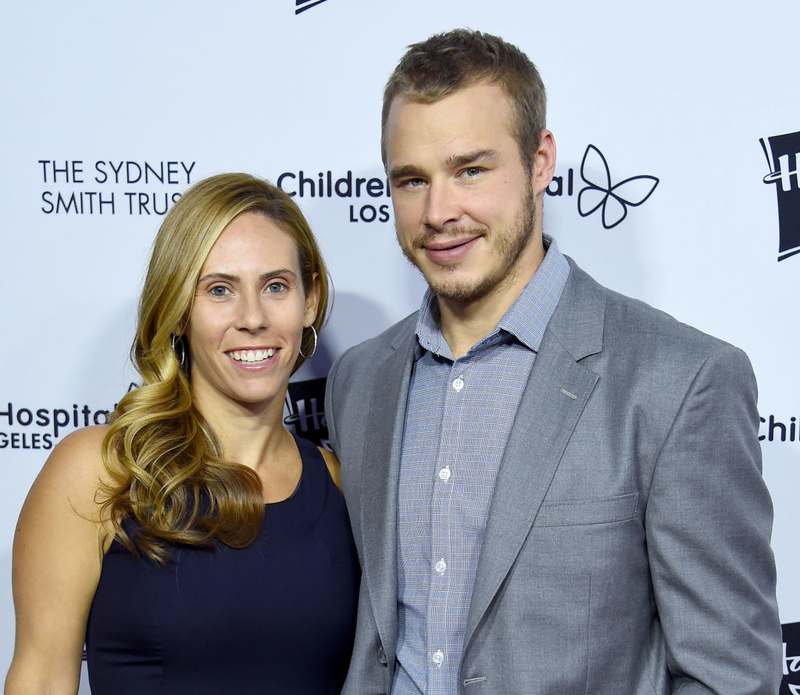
(444, 473)
(440, 566)
(438, 657)
(458, 384)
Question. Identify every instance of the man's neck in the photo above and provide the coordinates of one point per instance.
(464, 324)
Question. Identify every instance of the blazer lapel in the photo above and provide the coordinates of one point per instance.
(379, 481)
(553, 400)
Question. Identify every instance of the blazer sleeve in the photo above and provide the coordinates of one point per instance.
(335, 393)
(708, 524)
(330, 411)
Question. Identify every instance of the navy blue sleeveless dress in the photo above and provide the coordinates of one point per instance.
(275, 617)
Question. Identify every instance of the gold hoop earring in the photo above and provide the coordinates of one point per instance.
(177, 342)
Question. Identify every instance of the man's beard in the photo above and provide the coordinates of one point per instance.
(509, 244)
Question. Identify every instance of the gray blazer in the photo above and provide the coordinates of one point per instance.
(627, 547)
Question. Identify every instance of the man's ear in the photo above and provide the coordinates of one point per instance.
(544, 162)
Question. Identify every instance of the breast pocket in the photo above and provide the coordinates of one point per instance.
(604, 510)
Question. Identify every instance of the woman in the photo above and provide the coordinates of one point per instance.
(194, 544)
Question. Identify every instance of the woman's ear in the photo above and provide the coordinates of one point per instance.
(312, 301)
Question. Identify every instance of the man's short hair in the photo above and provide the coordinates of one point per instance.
(434, 68)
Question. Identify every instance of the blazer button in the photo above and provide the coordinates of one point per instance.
(382, 657)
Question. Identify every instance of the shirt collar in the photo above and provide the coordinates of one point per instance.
(525, 320)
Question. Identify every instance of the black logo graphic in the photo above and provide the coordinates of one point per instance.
(783, 156)
(791, 660)
(303, 5)
(612, 200)
(305, 405)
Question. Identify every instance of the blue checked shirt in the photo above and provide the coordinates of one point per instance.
(458, 420)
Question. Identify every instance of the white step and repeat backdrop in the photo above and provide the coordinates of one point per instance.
(109, 111)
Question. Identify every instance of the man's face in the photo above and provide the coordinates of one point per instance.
(464, 202)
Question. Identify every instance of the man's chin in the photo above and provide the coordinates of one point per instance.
(444, 282)
(461, 291)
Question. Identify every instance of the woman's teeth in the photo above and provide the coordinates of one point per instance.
(252, 355)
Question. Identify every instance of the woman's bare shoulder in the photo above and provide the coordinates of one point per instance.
(333, 466)
(75, 470)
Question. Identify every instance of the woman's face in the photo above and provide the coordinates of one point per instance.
(249, 312)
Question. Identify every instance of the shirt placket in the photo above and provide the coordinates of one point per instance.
(443, 568)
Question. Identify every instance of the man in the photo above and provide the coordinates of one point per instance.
(553, 488)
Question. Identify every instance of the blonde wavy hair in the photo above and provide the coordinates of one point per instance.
(165, 463)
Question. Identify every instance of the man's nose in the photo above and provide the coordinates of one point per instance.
(442, 206)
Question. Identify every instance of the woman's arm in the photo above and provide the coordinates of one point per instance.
(58, 552)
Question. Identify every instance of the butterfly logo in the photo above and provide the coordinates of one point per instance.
(600, 194)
